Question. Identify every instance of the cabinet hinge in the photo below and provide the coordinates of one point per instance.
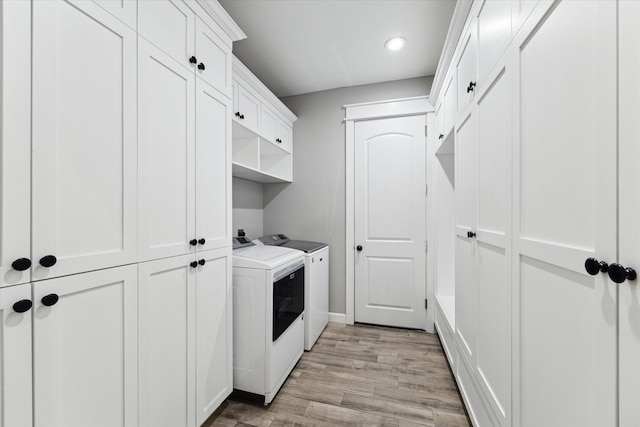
(426, 303)
(425, 130)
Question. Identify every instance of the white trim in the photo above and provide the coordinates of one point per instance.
(458, 21)
(222, 18)
(337, 317)
(353, 113)
(391, 108)
(241, 71)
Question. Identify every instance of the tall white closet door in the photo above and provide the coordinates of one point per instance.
(166, 144)
(167, 342)
(15, 356)
(213, 167)
(466, 288)
(84, 139)
(15, 137)
(84, 350)
(565, 212)
(493, 349)
(214, 345)
(629, 211)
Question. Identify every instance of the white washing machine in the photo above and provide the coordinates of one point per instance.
(316, 283)
(268, 311)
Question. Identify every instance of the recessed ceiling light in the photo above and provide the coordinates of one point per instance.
(395, 43)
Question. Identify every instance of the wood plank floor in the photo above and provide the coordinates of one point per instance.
(360, 376)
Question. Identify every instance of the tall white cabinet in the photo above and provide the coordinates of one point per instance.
(544, 175)
(116, 168)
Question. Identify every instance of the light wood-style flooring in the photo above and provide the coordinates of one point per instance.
(360, 376)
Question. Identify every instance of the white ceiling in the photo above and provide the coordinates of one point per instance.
(302, 46)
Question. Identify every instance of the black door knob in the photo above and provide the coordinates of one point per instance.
(202, 241)
(202, 262)
(193, 60)
(359, 248)
(471, 86)
(193, 264)
(48, 261)
(193, 242)
(22, 306)
(471, 234)
(440, 136)
(619, 274)
(21, 264)
(201, 66)
(593, 266)
(49, 300)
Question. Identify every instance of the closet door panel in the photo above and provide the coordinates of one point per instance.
(166, 144)
(214, 54)
(213, 174)
(565, 213)
(84, 139)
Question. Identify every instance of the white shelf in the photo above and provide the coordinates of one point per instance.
(256, 159)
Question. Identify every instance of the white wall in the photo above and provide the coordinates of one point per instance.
(247, 207)
(313, 206)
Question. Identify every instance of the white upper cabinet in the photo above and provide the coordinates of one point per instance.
(213, 53)
(166, 194)
(467, 68)
(83, 139)
(169, 25)
(248, 113)
(284, 136)
(494, 34)
(449, 105)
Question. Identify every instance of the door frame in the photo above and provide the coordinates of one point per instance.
(393, 108)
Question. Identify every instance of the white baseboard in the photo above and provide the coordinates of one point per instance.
(337, 317)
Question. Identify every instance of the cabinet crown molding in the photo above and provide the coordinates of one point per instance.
(241, 71)
(223, 19)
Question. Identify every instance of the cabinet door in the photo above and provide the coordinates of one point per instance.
(466, 289)
(85, 350)
(466, 69)
(285, 135)
(268, 124)
(15, 358)
(84, 139)
(166, 327)
(439, 124)
(494, 33)
(124, 10)
(249, 109)
(170, 26)
(214, 346)
(166, 145)
(449, 105)
(15, 134)
(213, 163)
(316, 297)
(214, 58)
(565, 212)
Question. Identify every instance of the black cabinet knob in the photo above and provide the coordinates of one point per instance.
(278, 140)
(619, 274)
(202, 262)
(471, 234)
(193, 242)
(201, 66)
(237, 114)
(242, 116)
(593, 266)
(194, 264)
(22, 306)
(471, 86)
(21, 264)
(193, 60)
(359, 248)
(202, 241)
(48, 261)
(49, 300)
(440, 136)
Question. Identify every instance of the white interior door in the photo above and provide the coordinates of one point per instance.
(85, 350)
(629, 211)
(167, 342)
(166, 143)
(15, 356)
(84, 139)
(389, 224)
(565, 212)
